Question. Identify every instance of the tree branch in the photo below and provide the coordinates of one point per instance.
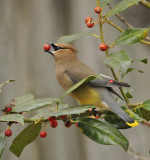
(122, 19)
(145, 3)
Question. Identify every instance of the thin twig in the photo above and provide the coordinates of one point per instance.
(122, 19)
(121, 30)
(145, 3)
(135, 154)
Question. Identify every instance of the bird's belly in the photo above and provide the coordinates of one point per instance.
(87, 95)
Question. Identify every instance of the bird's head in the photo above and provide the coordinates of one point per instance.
(62, 51)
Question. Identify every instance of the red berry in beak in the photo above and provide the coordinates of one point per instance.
(46, 47)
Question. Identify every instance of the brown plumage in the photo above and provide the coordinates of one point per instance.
(69, 70)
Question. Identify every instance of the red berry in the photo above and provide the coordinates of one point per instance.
(8, 108)
(63, 117)
(98, 9)
(54, 124)
(76, 125)
(43, 134)
(8, 133)
(88, 19)
(103, 47)
(90, 24)
(90, 109)
(46, 47)
(96, 117)
(68, 124)
(51, 119)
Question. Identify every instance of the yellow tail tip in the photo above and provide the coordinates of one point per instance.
(135, 123)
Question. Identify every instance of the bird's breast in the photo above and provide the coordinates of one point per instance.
(86, 95)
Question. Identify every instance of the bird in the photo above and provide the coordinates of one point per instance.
(69, 70)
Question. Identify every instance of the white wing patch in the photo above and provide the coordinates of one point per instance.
(105, 76)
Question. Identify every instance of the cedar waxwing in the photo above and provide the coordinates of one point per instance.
(70, 70)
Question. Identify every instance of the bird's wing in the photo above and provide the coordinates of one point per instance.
(105, 81)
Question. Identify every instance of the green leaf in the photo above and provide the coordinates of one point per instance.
(1, 85)
(102, 132)
(75, 86)
(137, 111)
(73, 37)
(118, 60)
(36, 104)
(130, 70)
(123, 5)
(103, 3)
(146, 105)
(24, 138)
(144, 60)
(24, 99)
(131, 114)
(12, 117)
(128, 95)
(116, 121)
(145, 114)
(131, 36)
(74, 110)
(2, 143)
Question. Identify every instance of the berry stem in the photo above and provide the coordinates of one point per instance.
(98, 3)
(145, 3)
(95, 35)
(106, 52)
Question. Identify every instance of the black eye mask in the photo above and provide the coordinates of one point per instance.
(56, 48)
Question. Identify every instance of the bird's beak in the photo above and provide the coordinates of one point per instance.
(50, 52)
(54, 46)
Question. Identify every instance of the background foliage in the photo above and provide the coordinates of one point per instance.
(22, 54)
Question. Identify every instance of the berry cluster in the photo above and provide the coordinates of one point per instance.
(90, 23)
(54, 123)
(7, 110)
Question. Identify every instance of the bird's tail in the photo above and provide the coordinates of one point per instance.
(114, 106)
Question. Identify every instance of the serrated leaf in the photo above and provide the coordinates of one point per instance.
(52, 108)
(102, 132)
(24, 138)
(78, 84)
(36, 104)
(131, 36)
(1, 85)
(24, 99)
(2, 143)
(146, 105)
(12, 117)
(118, 60)
(103, 3)
(145, 114)
(74, 110)
(73, 37)
(123, 5)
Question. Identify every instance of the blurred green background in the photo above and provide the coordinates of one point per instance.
(25, 25)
